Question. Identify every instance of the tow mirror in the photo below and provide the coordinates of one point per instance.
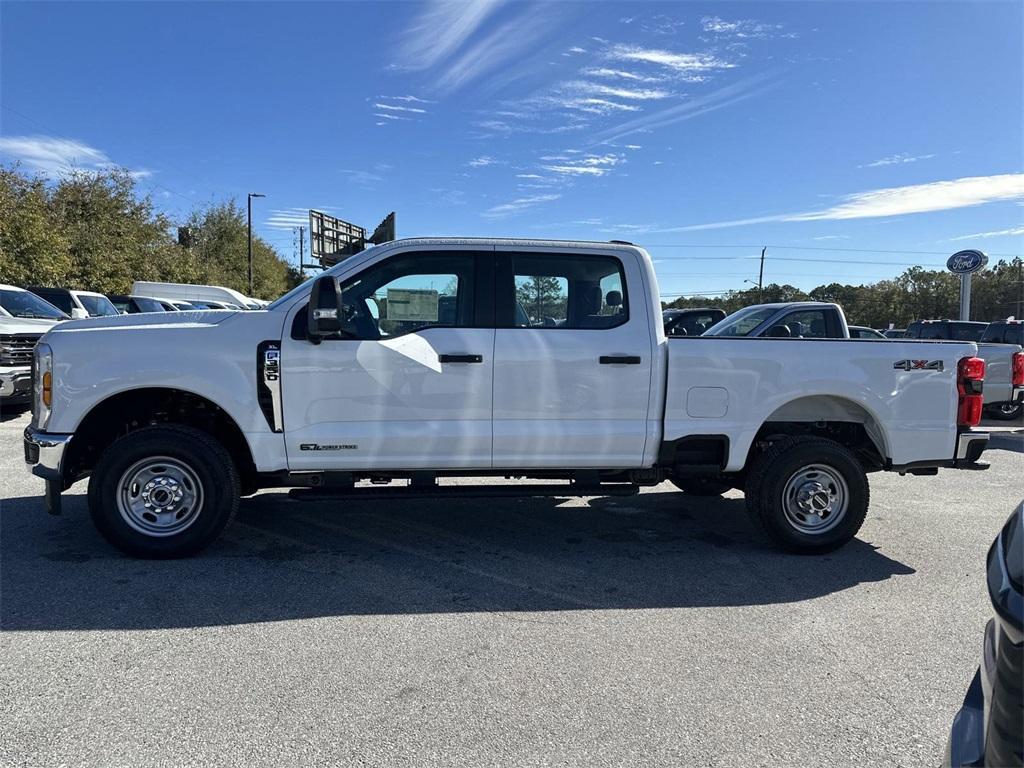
(324, 309)
(77, 313)
(779, 332)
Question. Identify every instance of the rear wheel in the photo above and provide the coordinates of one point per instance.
(700, 486)
(163, 492)
(1005, 411)
(808, 494)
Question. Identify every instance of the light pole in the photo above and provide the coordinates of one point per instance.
(249, 221)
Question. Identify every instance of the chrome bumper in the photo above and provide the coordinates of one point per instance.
(970, 445)
(44, 455)
(16, 383)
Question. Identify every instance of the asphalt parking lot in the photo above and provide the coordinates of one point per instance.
(656, 629)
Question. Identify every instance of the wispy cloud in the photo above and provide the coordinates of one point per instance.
(621, 74)
(440, 30)
(399, 108)
(358, 176)
(52, 156)
(742, 28)
(897, 201)
(587, 165)
(897, 159)
(691, 108)
(822, 238)
(287, 218)
(519, 204)
(483, 161)
(681, 64)
(618, 92)
(414, 99)
(1012, 232)
(507, 42)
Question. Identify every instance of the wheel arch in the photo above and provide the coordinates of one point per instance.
(839, 418)
(130, 410)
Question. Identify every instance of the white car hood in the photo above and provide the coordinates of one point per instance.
(25, 324)
(193, 319)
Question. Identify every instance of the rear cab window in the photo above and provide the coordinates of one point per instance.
(563, 291)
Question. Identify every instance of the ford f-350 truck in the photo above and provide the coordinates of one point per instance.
(425, 359)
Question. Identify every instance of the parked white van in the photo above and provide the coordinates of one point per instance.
(195, 293)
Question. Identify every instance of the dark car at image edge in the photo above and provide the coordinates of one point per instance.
(989, 728)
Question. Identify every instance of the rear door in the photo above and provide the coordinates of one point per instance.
(573, 359)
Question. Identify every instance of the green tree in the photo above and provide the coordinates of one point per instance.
(33, 249)
(541, 296)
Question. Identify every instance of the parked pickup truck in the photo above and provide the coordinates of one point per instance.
(24, 318)
(785, 320)
(1000, 348)
(425, 359)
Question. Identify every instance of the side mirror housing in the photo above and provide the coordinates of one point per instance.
(324, 309)
(779, 332)
(77, 313)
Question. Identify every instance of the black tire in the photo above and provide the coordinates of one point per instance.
(209, 465)
(789, 459)
(700, 486)
(1005, 411)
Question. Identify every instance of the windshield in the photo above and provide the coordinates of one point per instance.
(742, 322)
(148, 305)
(25, 304)
(97, 306)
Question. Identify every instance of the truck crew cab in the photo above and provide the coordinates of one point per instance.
(425, 359)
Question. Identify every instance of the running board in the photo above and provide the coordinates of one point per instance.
(464, 491)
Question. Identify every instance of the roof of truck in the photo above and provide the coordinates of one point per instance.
(507, 241)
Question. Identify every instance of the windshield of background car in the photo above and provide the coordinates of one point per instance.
(741, 323)
(97, 306)
(25, 304)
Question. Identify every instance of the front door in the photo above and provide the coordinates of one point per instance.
(408, 384)
(573, 361)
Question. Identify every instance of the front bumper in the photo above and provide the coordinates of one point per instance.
(44, 455)
(16, 384)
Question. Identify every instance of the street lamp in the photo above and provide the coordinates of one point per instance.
(249, 220)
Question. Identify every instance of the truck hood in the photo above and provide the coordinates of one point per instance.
(199, 318)
(25, 324)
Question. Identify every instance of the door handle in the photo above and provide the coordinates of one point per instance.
(619, 360)
(460, 358)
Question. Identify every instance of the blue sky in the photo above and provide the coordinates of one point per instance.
(852, 138)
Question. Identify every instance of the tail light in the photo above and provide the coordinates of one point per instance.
(970, 377)
(1017, 369)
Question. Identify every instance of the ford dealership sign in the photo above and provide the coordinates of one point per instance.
(966, 262)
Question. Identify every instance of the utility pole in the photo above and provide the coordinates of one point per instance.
(1020, 288)
(760, 278)
(249, 229)
(302, 252)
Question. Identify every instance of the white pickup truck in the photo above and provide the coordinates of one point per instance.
(425, 359)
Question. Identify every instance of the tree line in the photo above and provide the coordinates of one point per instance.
(95, 231)
(917, 294)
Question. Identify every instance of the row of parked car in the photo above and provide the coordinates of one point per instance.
(27, 313)
(999, 343)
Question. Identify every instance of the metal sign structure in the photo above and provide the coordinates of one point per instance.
(332, 240)
(965, 264)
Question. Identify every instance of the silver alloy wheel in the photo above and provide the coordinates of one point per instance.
(815, 499)
(1009, 409)
(159, 496)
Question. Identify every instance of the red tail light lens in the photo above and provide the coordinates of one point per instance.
(1017, 369)
(970, 376)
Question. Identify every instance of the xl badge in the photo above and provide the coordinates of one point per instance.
(918, 365)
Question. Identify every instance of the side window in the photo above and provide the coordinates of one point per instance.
(60, 300)
(572, 292)
(806, 324)
(1013, 334)
(409, 293)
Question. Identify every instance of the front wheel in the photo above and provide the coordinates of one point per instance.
(808, 494)
(1005, 411)
(163, 492)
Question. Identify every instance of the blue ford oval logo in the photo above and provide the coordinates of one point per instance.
(965, 262)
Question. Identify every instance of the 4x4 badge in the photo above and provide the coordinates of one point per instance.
(918, 365)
